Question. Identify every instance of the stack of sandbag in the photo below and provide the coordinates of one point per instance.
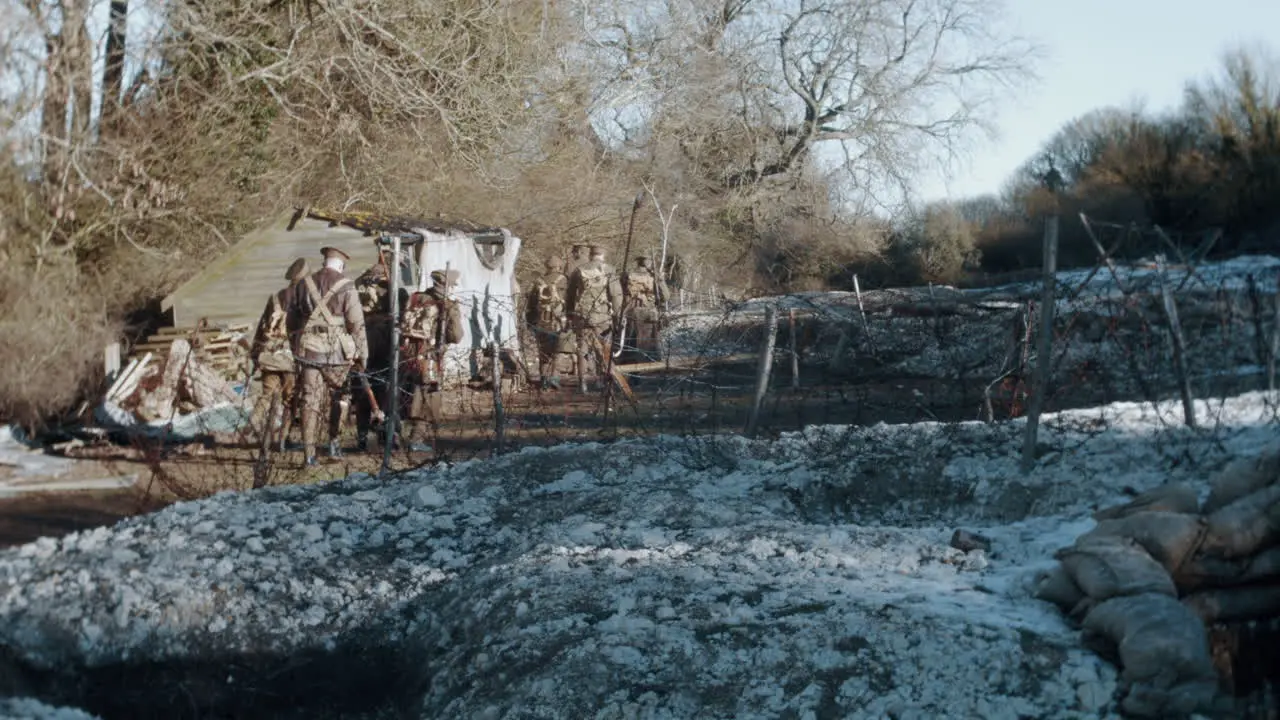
(1157, 571)
(1235, 574)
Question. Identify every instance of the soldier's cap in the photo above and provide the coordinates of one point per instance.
(439, 277)
(642, 260)
(595, 250)
(297, 270)
(554, 261)
(579, 246)
(329, 252)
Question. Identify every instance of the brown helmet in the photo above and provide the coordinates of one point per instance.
(554, 263)
(297, 270)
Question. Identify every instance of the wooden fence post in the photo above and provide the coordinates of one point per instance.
(795, 353)
(1275, 340)
(499, 414)
(1044, 346)
(1179, 344)
(765, 367)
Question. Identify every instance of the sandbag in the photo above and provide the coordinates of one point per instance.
(1173, 498)
(1108, 566)
(1242, 478)
(1163, 650)
(1250, 602)
(1244, 527)
(1206, 571)
(1057, 587)
(1170, 538)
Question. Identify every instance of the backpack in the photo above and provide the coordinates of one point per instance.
(548, 309)
(276, 355)
(323, 333)
(594, 298)
(433, 321)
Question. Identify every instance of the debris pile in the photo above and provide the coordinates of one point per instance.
(1155, 573)
(186, 392)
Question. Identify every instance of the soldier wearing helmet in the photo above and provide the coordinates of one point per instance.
(593, 298)
(432, 321)
(545, 314)
(272, 353)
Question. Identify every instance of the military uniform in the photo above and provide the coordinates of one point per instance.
(643, 295)
(272, 353)
(593, 297)
(373, 289)
(431, 321)
(545, 314)
(326, 323)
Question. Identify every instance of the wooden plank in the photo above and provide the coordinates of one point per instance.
(1044, 344)
(691, 363)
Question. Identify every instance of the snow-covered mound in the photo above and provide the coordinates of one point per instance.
(29, 709)
(709, 577)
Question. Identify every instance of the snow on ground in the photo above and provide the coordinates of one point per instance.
(1096, 325)
(28, 709)
(805, 576)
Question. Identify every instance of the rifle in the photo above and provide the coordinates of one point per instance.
(378, 415)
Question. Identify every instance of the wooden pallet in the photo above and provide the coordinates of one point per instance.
(218, 347)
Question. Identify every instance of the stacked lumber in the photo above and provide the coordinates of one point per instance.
(1157, 572)
(224, 349)
(179, 382)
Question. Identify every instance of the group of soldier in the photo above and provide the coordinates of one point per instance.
(573, 311)
(324, 343)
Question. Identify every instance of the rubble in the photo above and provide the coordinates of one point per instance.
(184, 394)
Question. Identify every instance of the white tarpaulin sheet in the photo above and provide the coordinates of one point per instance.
(485, 291)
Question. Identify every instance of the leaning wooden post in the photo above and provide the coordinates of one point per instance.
(1044, 346)
(795, 355)
(499, 415)
(393, 387)
(1275, 341)
(765, 367)
(1179, 344)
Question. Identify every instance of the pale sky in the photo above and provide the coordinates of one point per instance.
(1106, 52)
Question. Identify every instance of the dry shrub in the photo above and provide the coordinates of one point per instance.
(53, 329)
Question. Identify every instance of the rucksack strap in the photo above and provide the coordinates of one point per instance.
(322, 301)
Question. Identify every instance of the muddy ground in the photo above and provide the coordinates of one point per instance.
(716, 400)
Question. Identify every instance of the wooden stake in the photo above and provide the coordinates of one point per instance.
(499, 415)
(765, 368)
(1040, 380)
(795, 355)
(1275, 342)
(393, 385)
(1179, 344)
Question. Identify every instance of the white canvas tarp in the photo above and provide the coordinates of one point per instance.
(485, 290)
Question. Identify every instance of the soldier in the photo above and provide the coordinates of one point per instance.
(546, 316)
(431, 322)
(644, 296)
(369, 388)
(327, 325)
(577, 256)
(593, 299)
(272, 353)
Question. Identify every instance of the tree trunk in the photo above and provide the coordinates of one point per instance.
(113, 70)
(79, 66)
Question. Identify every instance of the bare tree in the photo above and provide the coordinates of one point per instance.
(756, 87)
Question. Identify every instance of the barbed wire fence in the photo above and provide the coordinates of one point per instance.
(924, 354)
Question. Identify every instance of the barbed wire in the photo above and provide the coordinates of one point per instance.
(935, 354)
